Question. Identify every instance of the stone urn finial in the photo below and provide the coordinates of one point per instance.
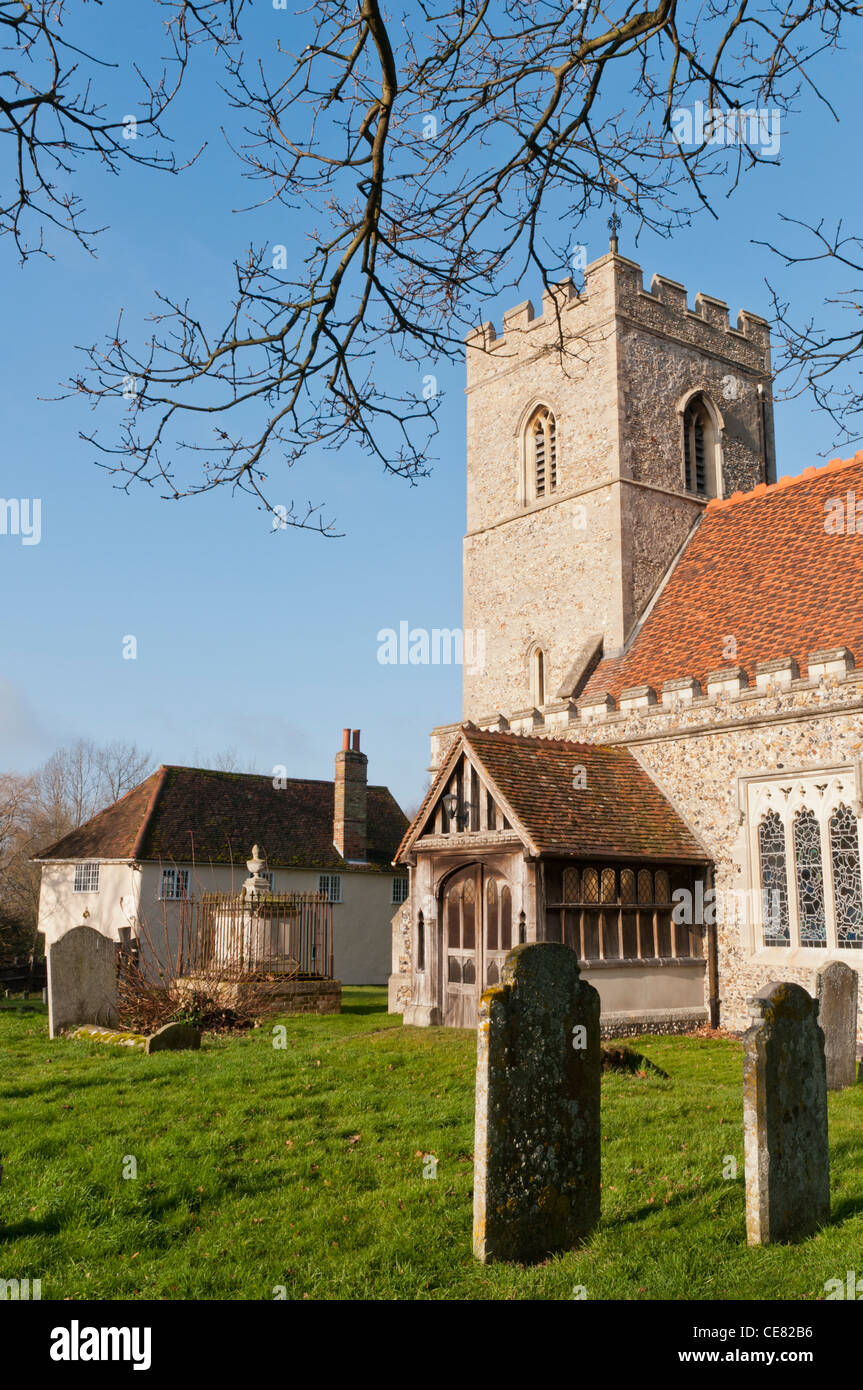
(257, 862)
(257, 882)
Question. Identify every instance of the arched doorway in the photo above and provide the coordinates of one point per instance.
(476, 911)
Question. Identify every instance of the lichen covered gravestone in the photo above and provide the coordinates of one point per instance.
(82, 980)
(837, 1015)
(537, 1146)
(785, 1117)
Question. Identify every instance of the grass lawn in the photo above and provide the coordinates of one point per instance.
(302, 1167)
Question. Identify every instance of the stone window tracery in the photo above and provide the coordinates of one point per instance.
(807, 847)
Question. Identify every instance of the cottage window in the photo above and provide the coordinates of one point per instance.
(331, 884)
(807, 848)
(86, 878)
(400, 890)
(175, 884)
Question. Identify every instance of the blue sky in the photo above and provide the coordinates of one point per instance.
(266, 641)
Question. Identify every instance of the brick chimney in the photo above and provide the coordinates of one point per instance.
(349, 815)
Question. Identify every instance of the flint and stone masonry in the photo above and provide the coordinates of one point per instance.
(558, 570)
(537, 1146)
(837, 1015)
(785, 1117)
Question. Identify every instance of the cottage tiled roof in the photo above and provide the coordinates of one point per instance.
(191, 815)
(619, 811)
(762, 569)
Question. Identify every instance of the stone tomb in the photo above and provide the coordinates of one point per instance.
(537, 1147)
(837, 1015)
(82, 980)
(785, 1117)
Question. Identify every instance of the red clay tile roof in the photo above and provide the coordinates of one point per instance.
(619, 810)
(760, 568)
(190, 815)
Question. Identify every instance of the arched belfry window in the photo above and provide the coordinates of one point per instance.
(700, 449)
(541, 453)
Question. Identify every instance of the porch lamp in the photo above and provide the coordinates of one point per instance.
(450, 805)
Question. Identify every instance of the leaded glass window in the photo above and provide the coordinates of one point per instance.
(570, 885)
(809, 873)
(774, 880)
(847, 894)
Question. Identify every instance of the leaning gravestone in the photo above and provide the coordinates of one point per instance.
(82, 980)
(837, 1015)
(537, 1147)
(785, 1117)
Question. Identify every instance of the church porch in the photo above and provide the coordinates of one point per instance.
(602, 863)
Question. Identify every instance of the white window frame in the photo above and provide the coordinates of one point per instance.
(92, 868)
(821, 790)
(180, 877)
(400, 878)
(331, 884)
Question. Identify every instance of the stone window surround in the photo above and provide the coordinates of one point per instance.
(752, 803)
(715, 484)
(527, 495)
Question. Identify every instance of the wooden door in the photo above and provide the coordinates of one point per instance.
(462, 907)
(497, 927)
(477, 918)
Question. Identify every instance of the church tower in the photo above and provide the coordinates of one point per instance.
(597, 431)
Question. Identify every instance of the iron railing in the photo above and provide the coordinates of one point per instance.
(280, 934)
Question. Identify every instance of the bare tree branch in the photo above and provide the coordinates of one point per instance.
(54, 120)
(430, 160)
(825, 362)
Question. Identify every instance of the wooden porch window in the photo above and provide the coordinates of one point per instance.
(621, 912)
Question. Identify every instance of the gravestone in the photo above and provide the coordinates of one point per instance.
(174, 1037)
(785, 1117)
(836, 986)
(537, 1144)
(82, 980)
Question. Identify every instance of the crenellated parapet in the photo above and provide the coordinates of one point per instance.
(685, 705)
(614, 286)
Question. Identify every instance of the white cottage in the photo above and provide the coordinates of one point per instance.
(185, 831)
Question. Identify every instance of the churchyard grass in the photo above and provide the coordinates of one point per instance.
(300, 1169)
